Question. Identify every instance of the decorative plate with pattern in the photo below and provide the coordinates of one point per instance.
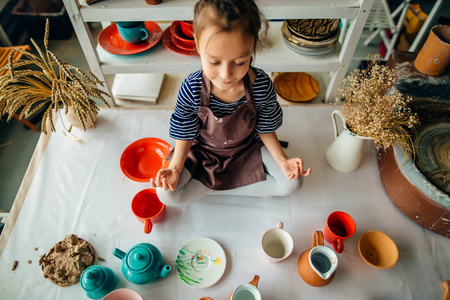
(200, 262)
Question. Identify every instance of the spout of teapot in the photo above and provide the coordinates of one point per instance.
(119, 253)
(165, 271)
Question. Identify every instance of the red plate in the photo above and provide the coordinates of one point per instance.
(168, 43)
(142, 159)
(110, 40)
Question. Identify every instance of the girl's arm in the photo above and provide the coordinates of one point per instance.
(291, 167)
(168, 178)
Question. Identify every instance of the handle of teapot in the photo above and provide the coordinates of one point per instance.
(335, 125)
(317, 239)
(255, 281)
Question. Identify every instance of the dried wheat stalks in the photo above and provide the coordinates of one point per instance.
(47, 79)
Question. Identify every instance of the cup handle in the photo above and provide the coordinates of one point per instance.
(255, 281)
(335, 125)
(280, 225)
(338, 245)
(317, 239)
(146, 33)
(147, 226)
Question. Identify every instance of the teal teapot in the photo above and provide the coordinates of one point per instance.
(142, 264)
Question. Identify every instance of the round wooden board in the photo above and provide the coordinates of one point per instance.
(296, 87)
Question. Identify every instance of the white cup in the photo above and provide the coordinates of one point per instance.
(277, 244)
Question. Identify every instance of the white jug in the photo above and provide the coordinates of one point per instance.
(346, 151)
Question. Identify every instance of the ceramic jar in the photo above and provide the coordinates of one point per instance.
(98, 281)
(434, 56)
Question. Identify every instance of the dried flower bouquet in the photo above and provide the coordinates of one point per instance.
(372, 109)
(38, 80)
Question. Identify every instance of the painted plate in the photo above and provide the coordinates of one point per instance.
(296, 86)
(142, 159)
(200, 262)
(109, 39)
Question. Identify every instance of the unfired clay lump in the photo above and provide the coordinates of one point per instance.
(64, 263)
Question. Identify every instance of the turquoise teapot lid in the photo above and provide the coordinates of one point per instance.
(139, 258)
(92, 278)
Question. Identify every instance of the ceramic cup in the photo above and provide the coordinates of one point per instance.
(277, 244)
(132, 32)
(339, 226)
(187, 27)
(121, 294)
(378, 250)
(147, 208)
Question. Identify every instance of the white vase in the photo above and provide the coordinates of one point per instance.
(346, 151)
(73, 119)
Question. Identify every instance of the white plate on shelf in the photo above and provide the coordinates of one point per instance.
(200, 262)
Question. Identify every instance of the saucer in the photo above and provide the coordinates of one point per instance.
(110, 40)
(168, 43)
(142, 159)
(200, 262)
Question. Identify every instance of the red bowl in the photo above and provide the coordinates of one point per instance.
(175, 29)
(142, 159)
(187, 27)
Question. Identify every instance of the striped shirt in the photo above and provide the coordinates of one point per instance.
(185, 124)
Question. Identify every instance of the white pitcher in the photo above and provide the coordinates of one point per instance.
(346, 151)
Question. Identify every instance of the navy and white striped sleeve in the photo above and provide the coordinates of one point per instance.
(270, 115)
(184, 122)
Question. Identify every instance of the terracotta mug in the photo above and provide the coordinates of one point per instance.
(147, 208)
(248, 291)
(339, 226)
(277, 244)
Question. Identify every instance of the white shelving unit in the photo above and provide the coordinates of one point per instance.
(275, 59)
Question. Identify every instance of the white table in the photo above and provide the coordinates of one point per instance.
(80, 189)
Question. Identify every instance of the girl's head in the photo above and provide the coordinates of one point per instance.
(226, 34)
(228, 15)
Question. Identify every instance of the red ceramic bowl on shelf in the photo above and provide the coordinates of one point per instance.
(187, 27)
(142, 159)
(180, 37)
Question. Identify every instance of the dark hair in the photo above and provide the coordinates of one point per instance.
(228, 15)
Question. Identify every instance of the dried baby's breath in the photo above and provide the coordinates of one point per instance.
(47, 79)
(373, 109)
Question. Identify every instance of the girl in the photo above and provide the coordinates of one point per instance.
(226, 116)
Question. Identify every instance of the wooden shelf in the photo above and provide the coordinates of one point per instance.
(278, 58)
(120, 10)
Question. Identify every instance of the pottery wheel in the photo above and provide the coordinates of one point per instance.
(66, 260)
(296, 87)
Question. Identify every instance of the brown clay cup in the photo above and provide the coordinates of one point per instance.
(378, 250)
(434, 56)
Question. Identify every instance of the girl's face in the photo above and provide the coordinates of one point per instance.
(225, 56)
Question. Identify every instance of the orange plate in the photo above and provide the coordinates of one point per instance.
(296, 87)
(142, 159)
(109, 39)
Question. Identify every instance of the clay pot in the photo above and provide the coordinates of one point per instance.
(434, 56)
(378, 249)
(318, 264)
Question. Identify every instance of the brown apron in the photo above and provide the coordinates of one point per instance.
(225, 155)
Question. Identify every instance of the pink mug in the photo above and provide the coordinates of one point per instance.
(339, 226)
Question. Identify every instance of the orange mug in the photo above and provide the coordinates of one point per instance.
(147, 208)
(339, 226)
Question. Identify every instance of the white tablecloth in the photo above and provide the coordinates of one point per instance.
(80, 189)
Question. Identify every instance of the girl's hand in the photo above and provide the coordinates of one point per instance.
(166, 179)
(293, 168)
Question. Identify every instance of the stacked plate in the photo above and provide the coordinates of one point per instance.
(311, 36)
(179, 38)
